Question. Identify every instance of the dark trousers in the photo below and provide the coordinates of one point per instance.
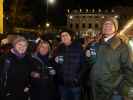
(43, 89)
(69, 93)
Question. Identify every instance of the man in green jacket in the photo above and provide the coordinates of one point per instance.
(111, 75)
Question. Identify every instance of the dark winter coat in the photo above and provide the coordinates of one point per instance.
(69, 61)
(17, 74)
(113, 65)
(43, 87)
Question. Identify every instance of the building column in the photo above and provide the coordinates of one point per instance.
(1, 16)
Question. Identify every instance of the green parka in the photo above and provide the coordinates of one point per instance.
(112, 70)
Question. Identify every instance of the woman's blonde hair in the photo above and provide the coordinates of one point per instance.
(40, 43)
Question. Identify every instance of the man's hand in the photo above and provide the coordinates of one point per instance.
(35, 75)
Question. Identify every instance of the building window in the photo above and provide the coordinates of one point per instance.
(77, 17)
(90, 25)
(90, 16)
(96, 16)
(83, 16)
(83, 25)
(77, 26)
(96, 26)
(71, 25)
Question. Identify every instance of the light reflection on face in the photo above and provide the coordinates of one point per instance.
(108, 28)
(43, 49)
(21, 47)
(66, 38)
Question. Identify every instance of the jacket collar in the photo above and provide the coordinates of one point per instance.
(114, 42)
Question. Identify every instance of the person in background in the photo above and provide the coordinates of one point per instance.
(111, 74)
(42, 83)
(15, 71)
(90, 58)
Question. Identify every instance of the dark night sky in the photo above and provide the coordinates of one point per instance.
(56, 12)
(59, 8)
(97, 3)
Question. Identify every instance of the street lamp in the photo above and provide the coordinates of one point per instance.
(51, 1)
(47, 24)
(71, 17)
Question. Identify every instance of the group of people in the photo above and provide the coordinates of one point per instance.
(103, 70)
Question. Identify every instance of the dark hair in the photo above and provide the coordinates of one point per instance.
(70, 32)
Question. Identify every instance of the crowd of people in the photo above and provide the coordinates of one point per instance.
(102, 70)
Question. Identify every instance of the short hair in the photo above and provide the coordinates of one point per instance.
(70, 32)
(19, 38)
(113, 20)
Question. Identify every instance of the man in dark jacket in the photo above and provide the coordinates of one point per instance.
(111, 75)
(69, 59)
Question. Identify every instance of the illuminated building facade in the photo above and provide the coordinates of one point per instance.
(87, 21)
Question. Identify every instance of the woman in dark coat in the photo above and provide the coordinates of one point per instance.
(42, 85)
(15, 71)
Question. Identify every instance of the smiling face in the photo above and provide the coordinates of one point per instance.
(21, 47)
(66, 38)
(43, 49)
(108, 28)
